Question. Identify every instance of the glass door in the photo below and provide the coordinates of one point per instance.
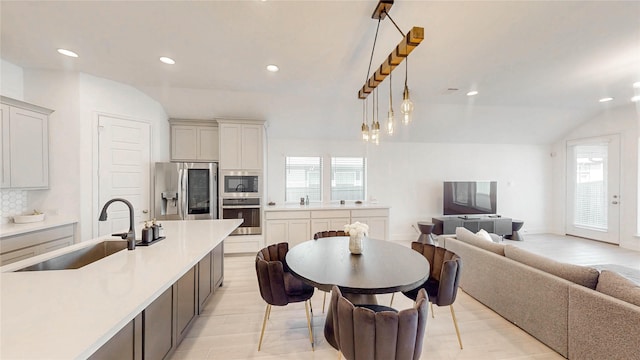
(198, 191)
(593, 170)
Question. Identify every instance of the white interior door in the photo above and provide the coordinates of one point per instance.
(593, 188)
(124, 171)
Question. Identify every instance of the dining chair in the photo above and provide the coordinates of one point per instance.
(442, 284)
(375, 332)
(278, 286)
(325, 234)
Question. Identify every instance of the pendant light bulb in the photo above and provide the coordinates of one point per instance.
(365, 127)
(406, 108)
(390, 123)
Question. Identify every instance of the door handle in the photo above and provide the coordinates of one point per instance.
(614, 202)
(145, 211)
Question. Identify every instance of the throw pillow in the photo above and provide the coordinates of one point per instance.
(484, 235)
(616, 285)
(468, 237)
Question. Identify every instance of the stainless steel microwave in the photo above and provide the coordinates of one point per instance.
(241, 184)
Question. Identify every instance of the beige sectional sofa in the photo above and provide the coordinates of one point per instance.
(575, 310)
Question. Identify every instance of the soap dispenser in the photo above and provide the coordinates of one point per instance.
(147, 233)
(155, 229)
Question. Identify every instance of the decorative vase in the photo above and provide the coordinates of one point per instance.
(356, 243)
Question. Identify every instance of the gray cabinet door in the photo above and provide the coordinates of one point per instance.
(186, 300)
(218, 266)
(124, 345)
(205, 284)
(157, 321)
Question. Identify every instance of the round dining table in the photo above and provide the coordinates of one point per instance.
(382, 267)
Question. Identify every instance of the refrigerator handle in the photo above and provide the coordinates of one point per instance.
(181, 194)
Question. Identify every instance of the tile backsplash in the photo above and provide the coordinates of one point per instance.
(14, 202)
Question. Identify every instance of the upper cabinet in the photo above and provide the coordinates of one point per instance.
(194, 140)
(24, 136)
(241, 144)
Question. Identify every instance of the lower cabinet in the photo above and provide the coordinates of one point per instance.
(157, 326)
(125, 344)
(186, 291)
(160, 327)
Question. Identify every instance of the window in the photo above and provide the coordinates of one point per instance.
(303, 177)
(348, 178)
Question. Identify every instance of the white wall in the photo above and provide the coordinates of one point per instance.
(12, 202)
(76, 99)
(622, 120)
(11, 80)
(408, 176)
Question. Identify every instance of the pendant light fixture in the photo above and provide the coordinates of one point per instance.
(365, 127)
(410, 41)
(407, 105)
(390, 119)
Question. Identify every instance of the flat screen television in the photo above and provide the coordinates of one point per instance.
(470, 197)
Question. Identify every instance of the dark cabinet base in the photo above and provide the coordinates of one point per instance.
(159, 328)
(448, 224)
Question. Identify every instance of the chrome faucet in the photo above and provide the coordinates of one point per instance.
(130, 236)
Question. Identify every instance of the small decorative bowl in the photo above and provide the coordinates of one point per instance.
(24, 219)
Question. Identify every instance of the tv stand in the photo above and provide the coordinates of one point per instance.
(490, 223)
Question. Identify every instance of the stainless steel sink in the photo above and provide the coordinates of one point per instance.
(79, 258)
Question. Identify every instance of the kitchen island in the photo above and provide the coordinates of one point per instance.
(69, 314)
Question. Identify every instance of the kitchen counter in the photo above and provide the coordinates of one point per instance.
(49, 221)
(347, 206)
(69, 314)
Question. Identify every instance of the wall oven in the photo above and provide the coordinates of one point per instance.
(238, 184)
(247, 209)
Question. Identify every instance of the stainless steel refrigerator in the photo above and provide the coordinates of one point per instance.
(186, 191)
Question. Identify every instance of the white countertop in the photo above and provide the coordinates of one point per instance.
(68, 314)
(49, 221)
(348, 206)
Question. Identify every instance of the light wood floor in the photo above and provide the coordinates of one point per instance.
(230, 326)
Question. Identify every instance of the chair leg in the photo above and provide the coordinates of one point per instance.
(339, 355)
(391, 302)
(306, 310)
(324, 299)
(455, 323)
(431, 304)
(269, 314)
(267, 311)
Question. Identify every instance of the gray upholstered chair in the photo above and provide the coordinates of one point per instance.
(278, 286)
(325, 234)
(442, 284)
(379, 334)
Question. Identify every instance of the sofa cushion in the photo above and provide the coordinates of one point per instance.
(616, 285)
(581, 275)
(468, 237)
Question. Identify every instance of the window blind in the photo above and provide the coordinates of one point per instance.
(348, 178)
(303, 177)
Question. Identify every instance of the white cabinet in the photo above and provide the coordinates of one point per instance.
(241, 145)
(23, 246)
(293, 227)
(25, 145)
(325, 220)
(296, 226)
(194, 141)
(377, 219)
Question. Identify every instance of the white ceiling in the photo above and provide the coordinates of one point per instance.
(540, 66)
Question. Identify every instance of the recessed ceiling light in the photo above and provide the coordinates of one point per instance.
(167, 60)
(472, 93)
(273, 68)
(67, 53)
(635, 98)
(636, 85)
(606, 99)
